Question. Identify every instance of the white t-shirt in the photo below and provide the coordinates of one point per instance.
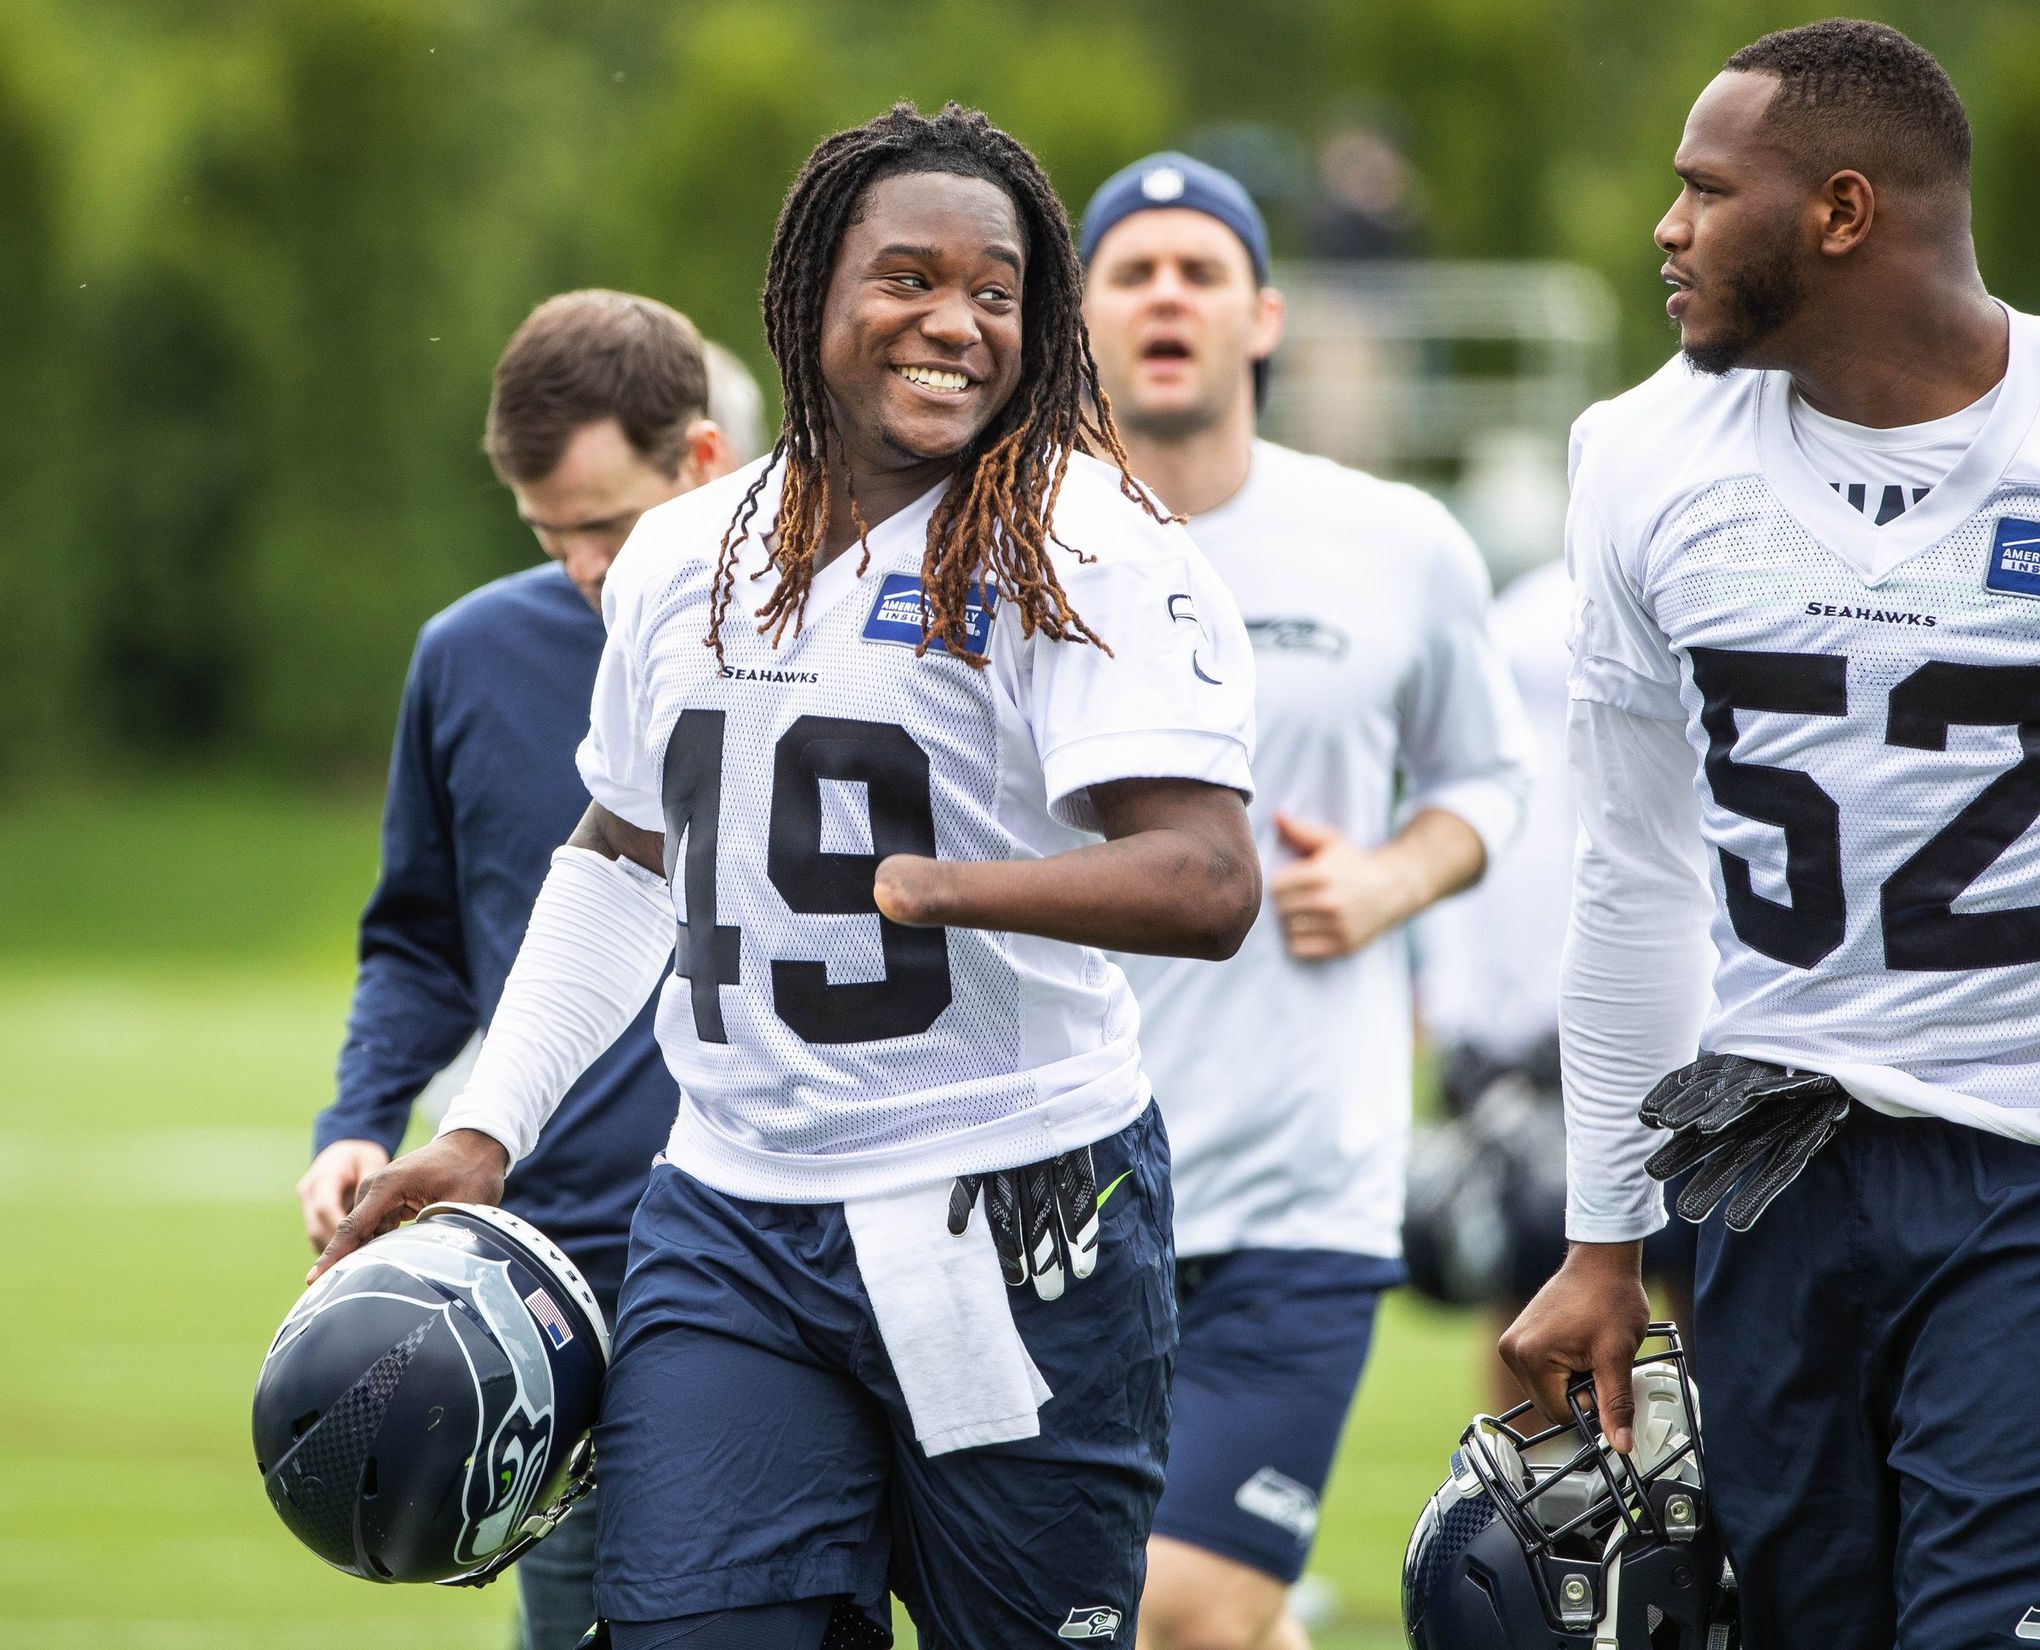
(1835, 709)
(1488, 959)
(822, 1052)
(1884, 472)
(1286, 1085)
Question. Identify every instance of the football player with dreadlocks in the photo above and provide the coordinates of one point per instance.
(865, 712)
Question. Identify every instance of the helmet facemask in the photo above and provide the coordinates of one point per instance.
(1582, 1513)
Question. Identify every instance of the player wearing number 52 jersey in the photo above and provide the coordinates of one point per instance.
(863, 714)
(1806, 718)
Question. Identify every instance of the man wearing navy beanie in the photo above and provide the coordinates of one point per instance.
(1389, 769)
(1180, 182)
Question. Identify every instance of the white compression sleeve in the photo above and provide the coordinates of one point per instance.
(1634, 986)
(600, 936)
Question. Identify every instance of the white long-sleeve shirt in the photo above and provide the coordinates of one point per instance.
(1825, 716)
(1286, 1084)
(1488, 958)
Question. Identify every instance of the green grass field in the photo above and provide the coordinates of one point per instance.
(168, 1020)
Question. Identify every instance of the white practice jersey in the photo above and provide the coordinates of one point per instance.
(1286, 1084)
(1861, 707)
(1488, 959)
(822, 1052)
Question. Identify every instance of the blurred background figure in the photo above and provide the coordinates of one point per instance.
(1511, 498)
(1389, 767)
(599, 414)
(1485, 1225)
(1497, 1003)
(1370, 200)
(736, 406)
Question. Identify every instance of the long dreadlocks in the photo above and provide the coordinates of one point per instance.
(993, 524)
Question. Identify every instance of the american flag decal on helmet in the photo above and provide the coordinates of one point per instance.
(550, 1317)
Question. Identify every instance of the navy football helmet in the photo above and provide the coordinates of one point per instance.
(1484, 1218)
(1544, 1538)
(422, 1413)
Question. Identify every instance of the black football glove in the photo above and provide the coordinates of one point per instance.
(1044, 1219)
(1740, 1124)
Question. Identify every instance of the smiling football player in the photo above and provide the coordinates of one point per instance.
(866, 711)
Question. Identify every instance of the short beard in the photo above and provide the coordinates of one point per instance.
(1762, 296)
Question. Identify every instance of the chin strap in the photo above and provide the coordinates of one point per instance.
(580, 1481)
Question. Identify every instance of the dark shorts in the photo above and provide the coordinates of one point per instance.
(1868, 1357)
(1673, 1250)
(754, 1447)
(1273, 1344)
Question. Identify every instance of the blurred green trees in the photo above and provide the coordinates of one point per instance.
(256, 261)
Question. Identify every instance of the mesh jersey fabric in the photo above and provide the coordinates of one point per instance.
(823, 1053)
(1287, 1084)
(1861, 703)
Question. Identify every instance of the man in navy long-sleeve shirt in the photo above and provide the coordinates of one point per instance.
(598, 413)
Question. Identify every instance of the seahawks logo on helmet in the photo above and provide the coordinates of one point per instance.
(415, 1408)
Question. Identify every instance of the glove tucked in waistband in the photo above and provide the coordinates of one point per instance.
(1742, 1125)
(1044, 1219)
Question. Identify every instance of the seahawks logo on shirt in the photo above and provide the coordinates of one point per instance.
(1297, 635)
(1090, 1621)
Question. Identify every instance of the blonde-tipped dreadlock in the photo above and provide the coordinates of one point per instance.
(993, 524)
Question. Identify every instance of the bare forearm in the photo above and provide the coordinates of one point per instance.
(1434, 855)
(1168, 891)
(601, 832)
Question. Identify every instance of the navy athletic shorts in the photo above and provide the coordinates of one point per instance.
(1273, 1344)
(1868, 1358)
(754, 1447)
